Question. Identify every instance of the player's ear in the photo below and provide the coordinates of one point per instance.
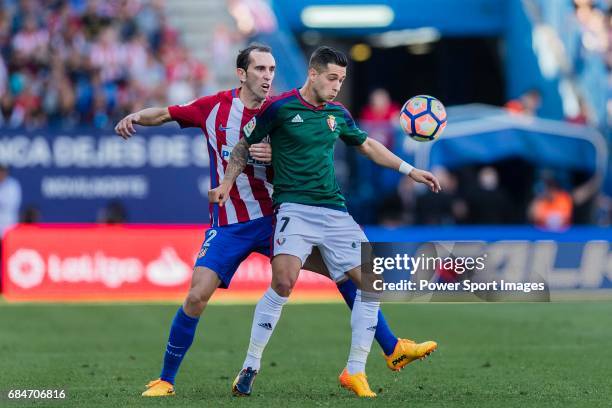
(312, 73)
(242, 75)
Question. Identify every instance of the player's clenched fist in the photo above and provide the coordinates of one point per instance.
(425, 177)
(219, 194)
(125, 127)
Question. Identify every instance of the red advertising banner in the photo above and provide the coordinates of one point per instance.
(97, 262)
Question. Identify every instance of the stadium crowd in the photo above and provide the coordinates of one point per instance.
(594, 37)
(66, 63)
(72, 62)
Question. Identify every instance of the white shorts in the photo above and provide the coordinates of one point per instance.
(298, 228)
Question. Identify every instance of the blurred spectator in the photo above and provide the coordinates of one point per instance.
(3, 76)
(30, 215)
(10, 200)
(527, 104)
(149, 80)
(223, 46)
(552, 208)
(380, 116)
(108, 55)
(149, 21)
(584, 199)
(443, 208)
(113, 213)
(253, 16)
(185, 75)
(487, 203)
(603, 210)
(398, 208)
(70, 62)
(31, 41)
(582, 116)
(593, 23)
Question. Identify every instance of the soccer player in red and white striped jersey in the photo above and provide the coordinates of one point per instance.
(244, 224)
(221, 117)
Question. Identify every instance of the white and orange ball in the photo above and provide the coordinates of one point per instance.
(423, 118)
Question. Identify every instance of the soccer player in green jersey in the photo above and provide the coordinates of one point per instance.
(303, 126)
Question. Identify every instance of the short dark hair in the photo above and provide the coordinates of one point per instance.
(243, 59)
(327, 55)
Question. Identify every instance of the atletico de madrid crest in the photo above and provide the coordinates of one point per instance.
(331, 122)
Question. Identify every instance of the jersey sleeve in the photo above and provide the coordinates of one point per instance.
(194, 113)
(262, 124)
(350, 132)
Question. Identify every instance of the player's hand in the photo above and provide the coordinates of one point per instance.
(219, 194)
(261, 152)
(425, 177)
(125, 127)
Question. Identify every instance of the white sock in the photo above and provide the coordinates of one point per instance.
(363, 324)
(267, 313)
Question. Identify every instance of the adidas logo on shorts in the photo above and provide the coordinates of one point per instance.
(297, 119)
(266, 326)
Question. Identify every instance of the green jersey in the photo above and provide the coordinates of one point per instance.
(302, 138)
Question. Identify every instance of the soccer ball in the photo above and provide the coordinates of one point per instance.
(423, 118)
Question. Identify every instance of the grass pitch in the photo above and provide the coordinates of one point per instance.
(509, 355)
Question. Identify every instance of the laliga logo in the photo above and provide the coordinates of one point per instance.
(26, 268)
(168, 269)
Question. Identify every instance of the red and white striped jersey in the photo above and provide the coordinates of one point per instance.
(221, 117)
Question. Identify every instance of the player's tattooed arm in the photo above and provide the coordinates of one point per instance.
(237, 163)
(146, 117)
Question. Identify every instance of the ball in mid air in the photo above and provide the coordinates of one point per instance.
(423, 118)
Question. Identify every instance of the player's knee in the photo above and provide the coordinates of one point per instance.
(195, 303)
(283, 286)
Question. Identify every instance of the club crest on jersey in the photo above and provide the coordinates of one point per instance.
(249, 127)
(331, 122)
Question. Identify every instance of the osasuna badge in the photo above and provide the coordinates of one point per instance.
(331, 122)
(249, 127)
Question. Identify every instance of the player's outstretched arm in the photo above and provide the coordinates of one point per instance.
(382, 156)
(146, 117)
(237, 162)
